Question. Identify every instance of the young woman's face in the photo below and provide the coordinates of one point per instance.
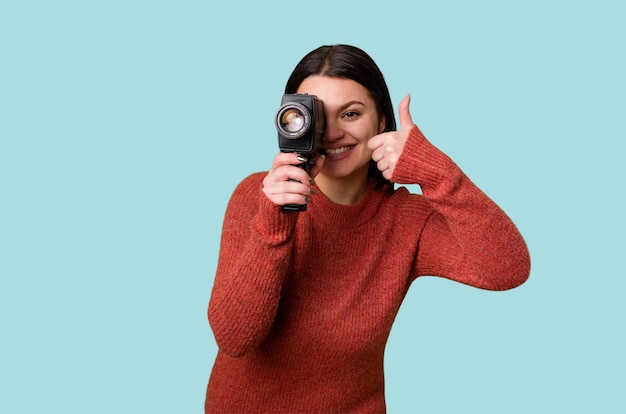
(351, 120)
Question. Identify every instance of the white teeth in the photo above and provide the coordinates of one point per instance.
(335, 151)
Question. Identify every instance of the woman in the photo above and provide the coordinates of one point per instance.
(303, 302)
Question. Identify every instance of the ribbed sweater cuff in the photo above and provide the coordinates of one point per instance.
(272, 223)
(424, 164)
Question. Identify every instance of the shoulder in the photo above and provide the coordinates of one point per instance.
(405, 208)
(250, 185)
(403, 199)
(254, 180)
(246, 194)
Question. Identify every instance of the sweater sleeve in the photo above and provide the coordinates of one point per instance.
(254, 256)
(467, 238)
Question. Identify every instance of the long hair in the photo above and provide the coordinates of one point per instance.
(348, 62)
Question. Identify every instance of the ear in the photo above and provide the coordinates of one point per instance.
(382, 124)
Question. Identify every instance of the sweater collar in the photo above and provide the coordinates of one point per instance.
(339, 215)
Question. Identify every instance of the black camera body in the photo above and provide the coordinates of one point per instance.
(300, 123)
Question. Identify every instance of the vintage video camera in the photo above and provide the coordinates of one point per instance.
(300, 123)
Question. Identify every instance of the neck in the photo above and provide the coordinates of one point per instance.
(343, 190)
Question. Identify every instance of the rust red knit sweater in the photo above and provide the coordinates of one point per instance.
(303, 303)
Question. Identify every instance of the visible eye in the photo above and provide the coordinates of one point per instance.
(351, 114)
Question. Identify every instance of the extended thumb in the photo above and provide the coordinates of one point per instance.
(406, 122)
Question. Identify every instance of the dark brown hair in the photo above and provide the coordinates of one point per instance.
(349, 62)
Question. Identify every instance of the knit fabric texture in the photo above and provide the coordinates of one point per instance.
(303, 303)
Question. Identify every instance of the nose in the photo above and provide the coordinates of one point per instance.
(332, 132)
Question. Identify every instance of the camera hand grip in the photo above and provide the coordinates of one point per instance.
(306, 166)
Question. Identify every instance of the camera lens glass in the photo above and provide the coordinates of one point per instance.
(293, 120)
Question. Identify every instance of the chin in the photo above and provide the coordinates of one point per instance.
(339, 172)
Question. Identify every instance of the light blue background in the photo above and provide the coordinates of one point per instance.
(125, 125)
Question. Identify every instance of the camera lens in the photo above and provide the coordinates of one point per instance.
(293, 120)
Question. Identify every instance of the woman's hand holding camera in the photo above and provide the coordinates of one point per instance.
(387, 147)
(286, 183)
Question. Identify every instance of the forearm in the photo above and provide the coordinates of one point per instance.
(468, 238)
(254, 257)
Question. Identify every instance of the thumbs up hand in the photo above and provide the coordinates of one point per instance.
(387, 147)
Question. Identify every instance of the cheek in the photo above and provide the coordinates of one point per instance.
(362, 132)
(365, 150)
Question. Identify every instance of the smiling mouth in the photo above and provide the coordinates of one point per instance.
(336, 151)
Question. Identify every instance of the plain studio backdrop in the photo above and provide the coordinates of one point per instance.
(125, 126)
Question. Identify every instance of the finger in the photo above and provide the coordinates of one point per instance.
(288, 198)
(294, 199)
(287, 158)
(406, 121)
(376, 141)
(317, 167)
(288, 192)
(287, 187)
(389, 142)
(378, 154)
(287, 173)
(382, 165)
(387, 174)
(294, 193)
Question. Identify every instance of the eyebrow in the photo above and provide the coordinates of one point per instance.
(350, 103)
